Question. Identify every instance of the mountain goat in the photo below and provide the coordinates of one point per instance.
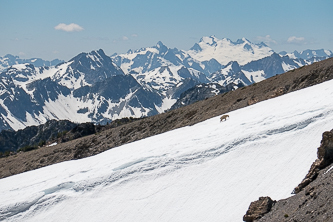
(224, 117)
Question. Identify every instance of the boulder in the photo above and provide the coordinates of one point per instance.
(258, 208)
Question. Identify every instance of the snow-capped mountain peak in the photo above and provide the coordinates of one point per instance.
(162, 48)
(86, 69)
(231, 73)
(92, 60)
(224, 50)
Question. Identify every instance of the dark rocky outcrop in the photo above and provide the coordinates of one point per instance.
(33, 135)
(203, 91)
(313, 200)
(313, 203)
(80, 130)
(258, 208)
(324, 158)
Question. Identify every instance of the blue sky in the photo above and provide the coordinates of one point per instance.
(62, 29)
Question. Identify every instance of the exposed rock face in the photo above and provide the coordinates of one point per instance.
(313, 203)
(313, 200)
(258, 208)
(83, 129)
(325, 158)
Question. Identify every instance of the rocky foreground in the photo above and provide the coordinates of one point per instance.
(189, 115)
(314, 195)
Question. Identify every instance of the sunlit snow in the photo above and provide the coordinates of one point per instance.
(224, 51)
(210, 171)
(287, 67)
(256, 76)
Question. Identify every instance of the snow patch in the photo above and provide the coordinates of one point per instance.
(287, 67)
(20, 67)
(52, 144)
(167, 102)
(257, 76)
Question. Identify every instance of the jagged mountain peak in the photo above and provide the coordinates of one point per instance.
(160, 44)
(162, 49)
(147, 59)
(86, 69)
(95, 55)
(96, 59)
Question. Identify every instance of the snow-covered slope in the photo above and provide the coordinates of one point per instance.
(210, 171)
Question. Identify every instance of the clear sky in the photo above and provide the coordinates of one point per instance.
(62, 29)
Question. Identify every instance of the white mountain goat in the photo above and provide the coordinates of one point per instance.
(224, 117)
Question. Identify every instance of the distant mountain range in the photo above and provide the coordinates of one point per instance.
(94, 87)
(9, 60)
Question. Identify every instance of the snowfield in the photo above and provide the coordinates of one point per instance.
(210, 171)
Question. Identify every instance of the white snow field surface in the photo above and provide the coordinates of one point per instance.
(210, 171)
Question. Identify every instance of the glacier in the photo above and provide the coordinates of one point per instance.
(210, 171)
